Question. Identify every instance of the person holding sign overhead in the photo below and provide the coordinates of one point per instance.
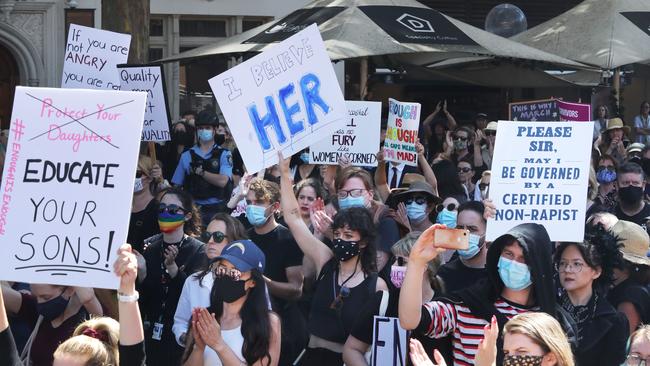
(205, 170)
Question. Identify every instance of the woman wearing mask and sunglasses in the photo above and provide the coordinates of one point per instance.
(238, 328)
(169, 258)
(347, 273)
(222, 230)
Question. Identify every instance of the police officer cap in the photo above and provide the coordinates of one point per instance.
(207, 118)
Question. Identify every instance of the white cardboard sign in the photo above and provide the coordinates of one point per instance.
(92, 56)
(285, 98)
(358, 140)
(149, 79)
(388, 342)
(402, 132)
(67, 184)
(539, 174)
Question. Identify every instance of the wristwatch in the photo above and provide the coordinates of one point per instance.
(128, 298)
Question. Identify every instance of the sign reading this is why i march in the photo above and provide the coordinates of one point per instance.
(149, 79)
(283, 99)
(358, 141)
(92, 56)
(539, 174)
(67, 184)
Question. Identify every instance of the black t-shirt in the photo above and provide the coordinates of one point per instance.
(143, 225)
(387, 234)
(281, 252)
(457, 276)
(639, 218)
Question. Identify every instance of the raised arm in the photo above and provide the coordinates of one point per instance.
(9, 353)
(451, 121)
(478, 157)
(381, 181)
(313, 248)
(428, 173)
(126, 267)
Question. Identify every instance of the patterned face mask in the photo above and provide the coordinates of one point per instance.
(522, 360)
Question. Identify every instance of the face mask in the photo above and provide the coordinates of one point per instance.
(514, 275)
(635, 160)
(630, 194)
(397, 274)
(138, 187)
(473, 249)
(52, 308)
(169, 222)
(219, 139)
(206, 135)
(352, 202)
(256, 215)
(181, 138)
(345, 250)
(304, 157)
(522, 360)
(227, 289)
(447, 218)
(460, 145)
(416, 212)
(605, 176)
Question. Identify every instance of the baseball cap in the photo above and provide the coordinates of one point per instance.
(244, 255)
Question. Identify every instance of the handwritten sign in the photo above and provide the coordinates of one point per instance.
(389, 342)
(92, 56)
(534, 110)
(574, 111)
(402, 132)
(149, 79)
(539, 174)
(358, 141)
(285, 98)
(67, 184)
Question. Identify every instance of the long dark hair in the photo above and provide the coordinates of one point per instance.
(359, 219)
(255, 320)
(192, 226)
(449, 186)
(235, 230)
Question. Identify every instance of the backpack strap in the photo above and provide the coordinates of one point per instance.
(383, 305)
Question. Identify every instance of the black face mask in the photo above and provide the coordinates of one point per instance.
(182, 138)
(345, 250)
(630, 194)
(227, 289)
(219, 139)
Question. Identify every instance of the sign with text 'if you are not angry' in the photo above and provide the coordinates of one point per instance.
(67, 184)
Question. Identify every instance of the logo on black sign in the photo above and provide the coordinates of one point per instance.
(415, 24)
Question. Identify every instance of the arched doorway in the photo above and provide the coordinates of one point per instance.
(9, 77)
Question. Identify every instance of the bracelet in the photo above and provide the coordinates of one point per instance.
(128, 298)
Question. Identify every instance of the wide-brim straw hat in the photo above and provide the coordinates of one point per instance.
(615, 123)
(635, 240)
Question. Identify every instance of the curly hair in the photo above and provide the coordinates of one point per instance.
(359, 219)
(265, 190)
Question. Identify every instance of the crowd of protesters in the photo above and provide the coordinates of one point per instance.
(289, 265)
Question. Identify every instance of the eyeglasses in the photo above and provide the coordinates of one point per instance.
(489, 133)
(637, 360)
(464, 170)
(575, 267)
(216, 236)
(418, 200)
(457, 138)
(449, 207)
(608, 167)
(352, 193)
(233, 273)
(337, 304)
(173, 208)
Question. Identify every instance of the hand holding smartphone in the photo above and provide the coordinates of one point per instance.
(451, 239)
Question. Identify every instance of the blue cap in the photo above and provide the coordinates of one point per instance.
(244, 255)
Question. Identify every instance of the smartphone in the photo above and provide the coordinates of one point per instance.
(451, 238)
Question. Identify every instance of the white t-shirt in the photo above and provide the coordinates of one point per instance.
(234, 339)
(193, 296)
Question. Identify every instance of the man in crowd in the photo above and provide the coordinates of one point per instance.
(631, 184)
(205, 170)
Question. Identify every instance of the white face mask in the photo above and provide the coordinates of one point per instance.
(138, 187)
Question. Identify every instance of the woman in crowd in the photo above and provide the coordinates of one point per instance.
(347, 273)
(95, 342)
(586, 271)
(144, 209)
(451, 185)
(606, 177)
(238, 328)
(639, 349)
(307, 191)
(183, 136)
(642, 123)
(600, 120)
(223, 229)
(169, 259)
(614, 140)
(466, 177)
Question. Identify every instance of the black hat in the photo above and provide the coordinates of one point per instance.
(207, 118)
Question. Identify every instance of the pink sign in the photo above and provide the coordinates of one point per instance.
(574, 111)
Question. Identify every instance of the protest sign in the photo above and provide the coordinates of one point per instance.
(402, 132)
(149, 79)
(573, 111)
(358, 140)
(92, 56)
(539, 174)
(286, 99)
(388, 342)
(67, 184)
(534, 110)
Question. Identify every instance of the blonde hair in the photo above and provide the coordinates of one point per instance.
(145, 164)
(641, 334)
(96, 352)
(544, 331)
(403, 248)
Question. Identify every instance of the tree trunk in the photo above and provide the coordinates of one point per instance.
(131, 17)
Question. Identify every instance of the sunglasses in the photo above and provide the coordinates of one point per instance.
(449, 207)
(337, 304)
(172, 208)
(464, 170)
(489, 133)
(418, 200)
(216, 236)
(456, 138)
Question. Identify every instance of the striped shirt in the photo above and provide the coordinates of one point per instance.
(441, 319)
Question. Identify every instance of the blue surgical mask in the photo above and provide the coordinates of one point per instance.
(304, 157)
(416, 212)
(256, 215)
(605, 176)
(52, 308)
(473, 249)
(447, 218)
(515, 275)
(206, 135)
(352, 202)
